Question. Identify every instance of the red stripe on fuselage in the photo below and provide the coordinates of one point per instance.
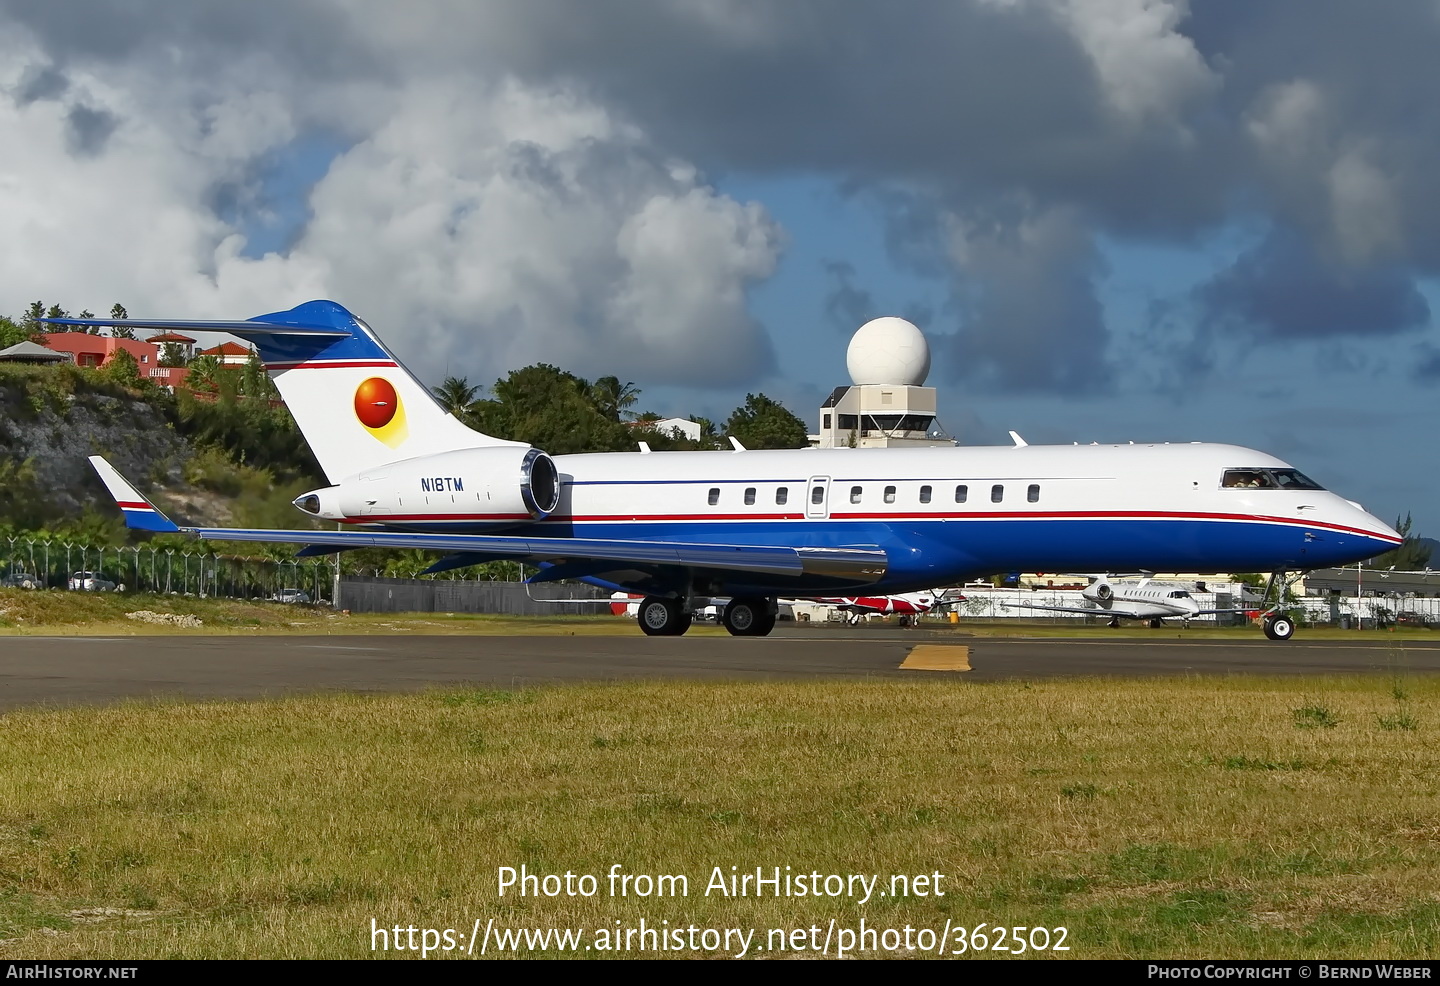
(334, 364)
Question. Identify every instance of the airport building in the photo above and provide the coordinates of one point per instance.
(887, 404)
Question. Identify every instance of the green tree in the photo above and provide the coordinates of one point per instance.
(55, 311)
(1410, 556)
(255, 382)
(31, 323)
(204, 375)
(765, 423)
(613, 398)
(11, 333)
(456, 395)
(552, 410)
(172, 354)
(122, 368)
(117, 311)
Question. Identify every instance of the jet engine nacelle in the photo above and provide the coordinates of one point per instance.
(496, 485)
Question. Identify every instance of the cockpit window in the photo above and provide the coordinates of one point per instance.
(1179, 594)
(1294, 479)
(1247, 479)
(1268, 479)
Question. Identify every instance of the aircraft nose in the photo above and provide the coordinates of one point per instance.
(1375, 525)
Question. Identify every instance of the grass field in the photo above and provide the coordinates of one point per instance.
(105, 614)
(1194, 817)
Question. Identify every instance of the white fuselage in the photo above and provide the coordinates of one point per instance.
(941, 514)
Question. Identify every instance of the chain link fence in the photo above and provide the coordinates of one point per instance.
(54, 564)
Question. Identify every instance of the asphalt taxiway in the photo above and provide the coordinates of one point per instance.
(88, 670)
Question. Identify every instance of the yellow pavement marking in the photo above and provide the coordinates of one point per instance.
(937, 657)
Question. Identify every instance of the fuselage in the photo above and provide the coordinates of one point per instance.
(942, 515)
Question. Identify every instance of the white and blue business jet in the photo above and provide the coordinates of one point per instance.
(749, 525)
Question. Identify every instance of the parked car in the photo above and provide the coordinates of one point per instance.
(291, 596)
(1413, 619)
(90, 582)
(20, 579)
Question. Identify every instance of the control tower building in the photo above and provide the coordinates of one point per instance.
(887, 404)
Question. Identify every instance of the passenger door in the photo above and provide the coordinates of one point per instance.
(817, 497)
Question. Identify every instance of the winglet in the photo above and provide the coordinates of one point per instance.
(140, 513)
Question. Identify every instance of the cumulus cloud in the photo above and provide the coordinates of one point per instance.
(479, 224)
(527, 174)
(1022, 273)
(1283, 290)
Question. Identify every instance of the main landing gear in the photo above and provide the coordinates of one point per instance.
(1276, 624)
(744, 616)
(749, 616)
(662, 617)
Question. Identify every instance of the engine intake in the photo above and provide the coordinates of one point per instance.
(540, 483)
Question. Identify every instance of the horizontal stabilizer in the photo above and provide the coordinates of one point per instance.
(140, 513)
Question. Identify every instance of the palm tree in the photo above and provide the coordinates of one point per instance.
(613, 398)
(456, 395)
(204, 375)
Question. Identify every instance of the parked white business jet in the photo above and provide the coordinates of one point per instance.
(756, 525)
(1152, 601)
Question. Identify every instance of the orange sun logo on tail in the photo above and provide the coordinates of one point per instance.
(377, 406)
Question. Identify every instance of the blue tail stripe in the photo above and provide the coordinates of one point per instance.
(358, 344)
(148, 520)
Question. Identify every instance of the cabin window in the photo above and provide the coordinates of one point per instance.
(962, 493)
(817, 494)
(714, 495)
(924, 494)
(997, 493)
(855, 492)
(1033, 493)
(781, 495)
(889, 494)
(749, 496)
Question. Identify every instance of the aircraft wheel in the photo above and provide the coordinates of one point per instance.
(660, 617)
(1155, 624)
(748, 617)
(1114, 621)
(1279, 627)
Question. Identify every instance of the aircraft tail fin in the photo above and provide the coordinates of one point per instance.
(140, 513)
(355, 403)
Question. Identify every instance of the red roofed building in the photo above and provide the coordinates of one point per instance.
(229, 354)
(88, 350)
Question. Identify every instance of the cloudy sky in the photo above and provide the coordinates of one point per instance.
(1142, 220)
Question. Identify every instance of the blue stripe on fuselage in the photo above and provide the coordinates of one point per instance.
(924, 553)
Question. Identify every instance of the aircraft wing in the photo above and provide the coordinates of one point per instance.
(860, 563)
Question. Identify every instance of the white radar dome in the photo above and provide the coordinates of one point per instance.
(888, 350)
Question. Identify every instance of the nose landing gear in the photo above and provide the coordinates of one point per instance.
(1277, 624)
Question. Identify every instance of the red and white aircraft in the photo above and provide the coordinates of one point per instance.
(907, 605)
